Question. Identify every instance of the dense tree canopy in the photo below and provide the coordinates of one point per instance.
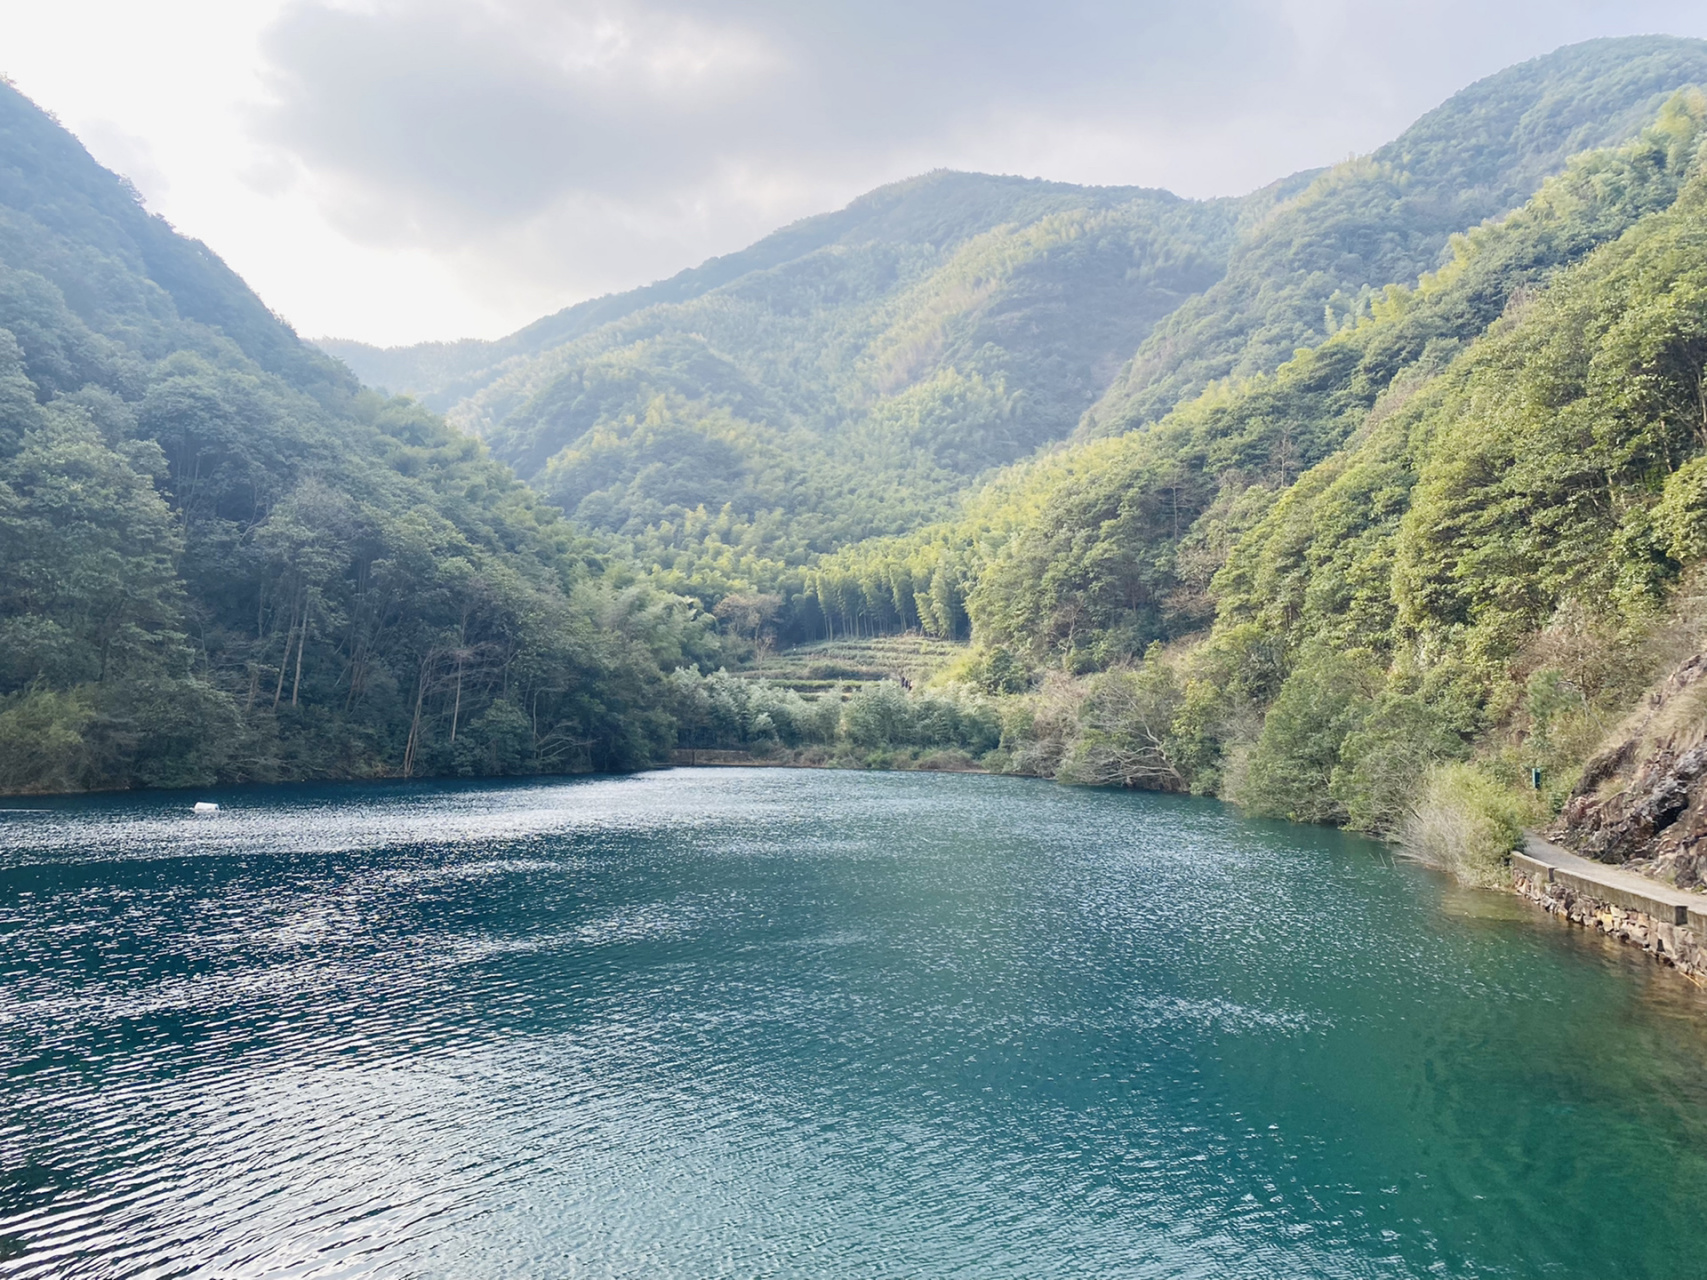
(223, 559)
(1455, 527)
(858, 374)
(1086, 556)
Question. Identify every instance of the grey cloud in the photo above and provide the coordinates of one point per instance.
(602, 142)
(491, 119)
(480, 114)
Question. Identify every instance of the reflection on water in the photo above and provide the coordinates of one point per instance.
(776, 1023)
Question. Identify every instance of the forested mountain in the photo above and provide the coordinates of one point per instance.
(932, 215)
(1087, 556)
(848, 376)
(854, 375)
(1451, 543)
(220, 557)
(1317, 261)
(1398, 494)
(1503, 548)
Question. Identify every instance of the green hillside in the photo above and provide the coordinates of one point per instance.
(1087, 555)
(1411, 552)
(1450, 544)
(872, 248)
(858, 374)
(1316, 263)
(220, 558)
(855, 389)
(845, 378)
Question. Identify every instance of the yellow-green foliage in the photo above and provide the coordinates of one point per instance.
(1499, 535)
(1291, 487)
(1445, 530)
(848, 387)
(41, 740)
(1680, 516)
(853, 375)
(1529, 472)
(1464, 823)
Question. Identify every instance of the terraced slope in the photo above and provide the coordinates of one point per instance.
(844, 666)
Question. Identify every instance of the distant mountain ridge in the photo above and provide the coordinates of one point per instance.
(941, 208)
(888, 354)
(1313, 265)
(854, 374)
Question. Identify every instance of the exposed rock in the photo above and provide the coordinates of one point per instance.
(1642, 800)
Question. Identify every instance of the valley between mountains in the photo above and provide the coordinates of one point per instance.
(1376, 497)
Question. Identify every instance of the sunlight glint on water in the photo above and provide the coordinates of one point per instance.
(764, 1022)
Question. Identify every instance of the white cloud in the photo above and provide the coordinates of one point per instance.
(402, 169)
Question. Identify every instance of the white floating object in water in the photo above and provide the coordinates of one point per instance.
(205, 807)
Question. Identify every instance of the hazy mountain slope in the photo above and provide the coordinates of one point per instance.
(939, 210)
(850, 376)
(853, 390)
(125, 272)
(221, 559)
(1387, 217)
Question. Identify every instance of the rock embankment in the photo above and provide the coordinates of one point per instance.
(1628, 854)
(1670, 924)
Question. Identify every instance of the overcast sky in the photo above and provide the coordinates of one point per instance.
(396, 170)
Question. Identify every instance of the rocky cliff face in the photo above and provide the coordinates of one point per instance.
(1642, 800)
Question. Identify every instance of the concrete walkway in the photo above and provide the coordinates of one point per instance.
(1546, 862)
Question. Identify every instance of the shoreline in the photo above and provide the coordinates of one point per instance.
(711, 758)
(1668, 923)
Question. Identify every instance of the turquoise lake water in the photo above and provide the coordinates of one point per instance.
(777, 1023)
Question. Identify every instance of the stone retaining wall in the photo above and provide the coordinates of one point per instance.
(1673, 932)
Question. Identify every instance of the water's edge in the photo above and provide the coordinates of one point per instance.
(1668, 924)
(1539, 874)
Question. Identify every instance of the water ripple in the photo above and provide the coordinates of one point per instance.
(800, 1024)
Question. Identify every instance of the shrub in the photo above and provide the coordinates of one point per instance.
(996, 670)
(1465, 823)
(721, 710)
(878, 715)
(1386, 760)
(41, 740)
(1037, 730)
(1126, 733)
(884, 716)
(1680, 516)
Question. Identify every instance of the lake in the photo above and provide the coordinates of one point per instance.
(791, 1023)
